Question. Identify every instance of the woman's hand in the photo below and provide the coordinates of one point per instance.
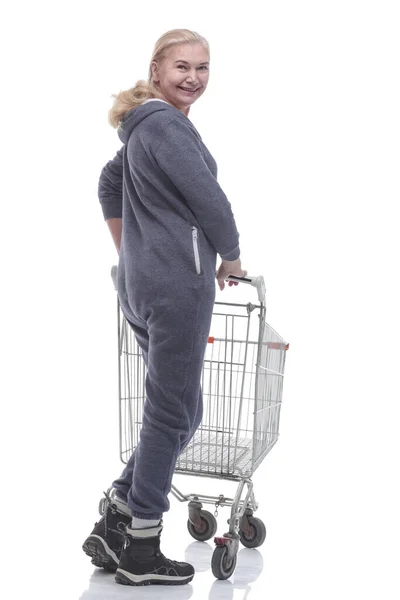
(227, 268)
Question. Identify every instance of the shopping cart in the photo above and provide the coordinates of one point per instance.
(242, 383)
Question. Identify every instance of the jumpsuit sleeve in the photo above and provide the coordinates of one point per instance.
(180, 156)
(110, 187)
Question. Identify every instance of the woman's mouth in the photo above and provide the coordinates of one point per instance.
(188, 90)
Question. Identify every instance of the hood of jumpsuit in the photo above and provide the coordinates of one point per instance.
(138, 114)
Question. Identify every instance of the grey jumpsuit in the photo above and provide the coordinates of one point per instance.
(175, 220)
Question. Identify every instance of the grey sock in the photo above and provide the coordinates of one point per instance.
(143, 523)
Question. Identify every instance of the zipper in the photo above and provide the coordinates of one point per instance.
(196, 250)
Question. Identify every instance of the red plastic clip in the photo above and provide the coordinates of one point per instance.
(221, 541)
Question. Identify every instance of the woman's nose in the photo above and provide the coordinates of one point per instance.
(192, 76)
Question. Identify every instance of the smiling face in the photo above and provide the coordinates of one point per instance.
(183, 76)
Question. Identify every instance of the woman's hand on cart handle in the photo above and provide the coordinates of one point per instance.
(229, 268)
(257, 282)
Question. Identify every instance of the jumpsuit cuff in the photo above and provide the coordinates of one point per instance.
(111, 211)
(232, 255)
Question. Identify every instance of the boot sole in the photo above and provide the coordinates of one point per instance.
(101, 554)
(132, 579)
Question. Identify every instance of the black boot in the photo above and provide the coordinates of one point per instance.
(142, 563)
(104, 544)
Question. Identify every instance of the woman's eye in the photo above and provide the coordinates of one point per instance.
(203, 67)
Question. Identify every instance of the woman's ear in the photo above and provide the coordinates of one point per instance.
(154, 72)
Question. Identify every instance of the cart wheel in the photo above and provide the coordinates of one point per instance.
(207, 529)
(255, 536)
(219, 563)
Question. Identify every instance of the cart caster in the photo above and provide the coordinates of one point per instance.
(253, 533)
(221, 564)
(223, 560)
(205, 529)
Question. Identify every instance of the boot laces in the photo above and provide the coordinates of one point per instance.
(121, 527)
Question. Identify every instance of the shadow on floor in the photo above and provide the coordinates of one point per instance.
(248, 568)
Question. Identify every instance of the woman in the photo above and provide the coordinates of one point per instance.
(173, 221)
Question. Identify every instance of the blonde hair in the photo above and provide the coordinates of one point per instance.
(143, 90)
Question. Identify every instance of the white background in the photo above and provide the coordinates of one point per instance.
(302, 116)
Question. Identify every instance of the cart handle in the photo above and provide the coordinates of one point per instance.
(257, 282)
